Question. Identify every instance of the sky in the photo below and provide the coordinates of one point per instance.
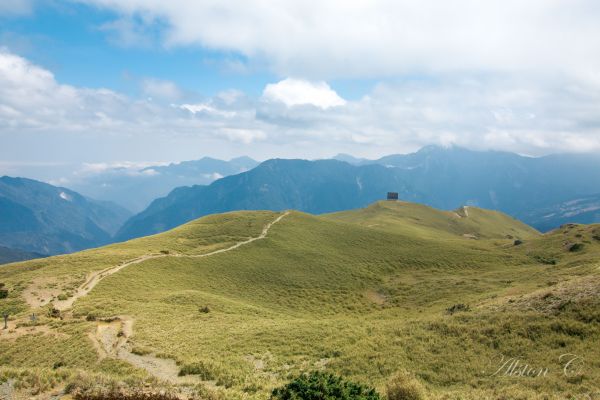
(149, 81)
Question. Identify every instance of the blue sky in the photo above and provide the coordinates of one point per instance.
(70, 40)
(141, 81)
(74, 42)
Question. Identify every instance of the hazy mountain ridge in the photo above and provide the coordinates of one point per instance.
(135, 189)
(584, 210)
(41, 218)
(8, 255)
(312, 186)
(444, 178)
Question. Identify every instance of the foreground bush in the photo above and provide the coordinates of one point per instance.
(403, 386)
(323, 386)
(119, 395)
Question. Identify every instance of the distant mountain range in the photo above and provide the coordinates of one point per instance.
(444, 178)
(134, 189)
(36, 217)
(40, 219)
(584, 210)
(8, 255)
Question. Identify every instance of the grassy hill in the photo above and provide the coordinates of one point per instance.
(426, 222)
(232, 305)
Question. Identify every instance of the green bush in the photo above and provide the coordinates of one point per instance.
(204, 309)
(323, 386)
(403, 386)
(53, 312)
(576, 247)
(198, 368)
(3, 292)
(122, 395)
(457, 308)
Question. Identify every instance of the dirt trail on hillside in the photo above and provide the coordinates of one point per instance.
(95, 277)
(463, 209)
(111, 339)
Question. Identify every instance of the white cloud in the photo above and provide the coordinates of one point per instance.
(56, 122)
(246, 136)
(129, 32)
(356, 38)
(161, 89)
(16, 7)
(119, 167)
(204, 108)
(292, 92)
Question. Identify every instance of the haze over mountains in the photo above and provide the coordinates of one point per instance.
(444, 178)
(542, 192)
(135, 188)
(41, 218)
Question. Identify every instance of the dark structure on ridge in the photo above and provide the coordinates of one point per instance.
(392, 196)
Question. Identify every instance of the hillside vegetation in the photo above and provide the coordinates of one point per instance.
(234, 305)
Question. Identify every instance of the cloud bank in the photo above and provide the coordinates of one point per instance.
(294, 117)
(377, 38)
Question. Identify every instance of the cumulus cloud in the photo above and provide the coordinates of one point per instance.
(161, 89)
(355, 38)
(292, 92)
(293, 118)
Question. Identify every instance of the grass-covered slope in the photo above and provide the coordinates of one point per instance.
(332, 292)
(423, 221)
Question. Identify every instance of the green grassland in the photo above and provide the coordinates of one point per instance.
(363, 294)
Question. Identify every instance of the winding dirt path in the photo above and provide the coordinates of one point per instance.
(95, 277)
(111, 338)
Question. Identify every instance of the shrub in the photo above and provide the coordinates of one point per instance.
(90, 317)
(58, 364)
(457, 308)
(164, 251)
(403, 386)
(199, 368)
(62, 297)
(576, 247)
(121, 395)
(204, 309)
(53, 312)
(545, 260)
(518, 242)
(319, 385)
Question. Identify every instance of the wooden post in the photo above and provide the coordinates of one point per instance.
(5, 320)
